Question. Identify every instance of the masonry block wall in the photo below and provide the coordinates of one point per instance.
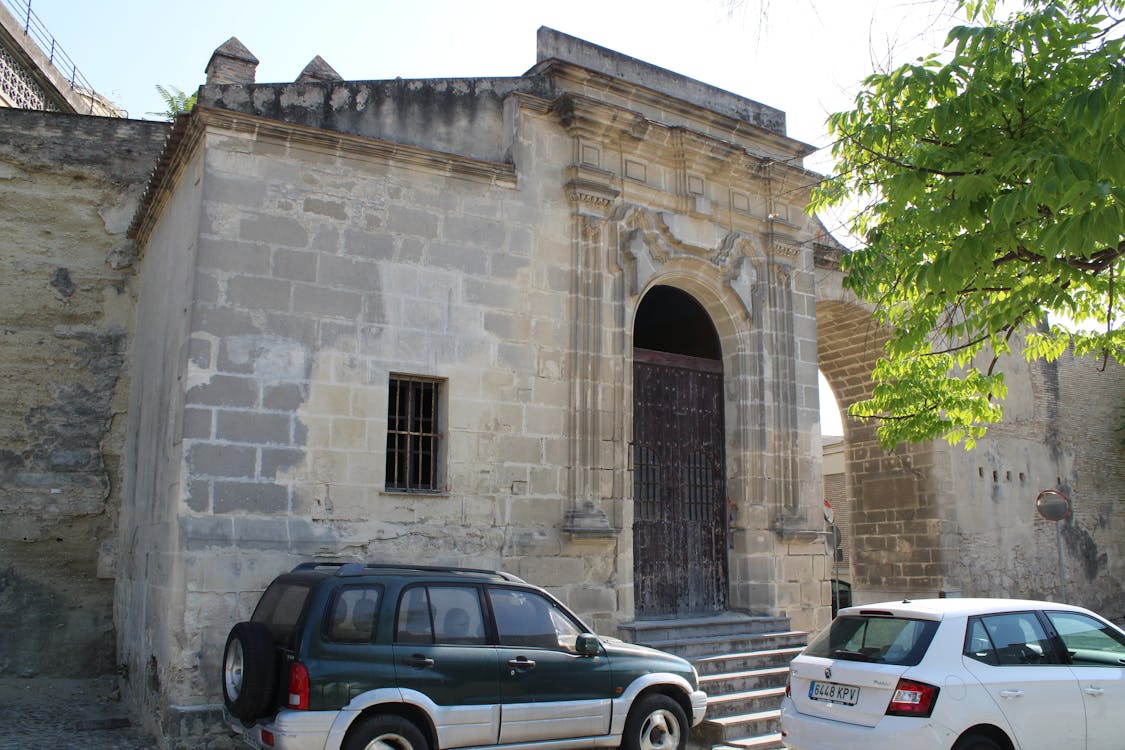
(68, 188)
(296, 276)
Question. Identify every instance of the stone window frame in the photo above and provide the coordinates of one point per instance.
(415, 442)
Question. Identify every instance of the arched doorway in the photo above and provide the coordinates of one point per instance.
(679, 489)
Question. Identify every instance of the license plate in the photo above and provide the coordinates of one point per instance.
(847, 695)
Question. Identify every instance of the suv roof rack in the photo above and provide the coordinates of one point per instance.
(358, 569)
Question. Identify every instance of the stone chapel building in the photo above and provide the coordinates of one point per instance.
(561, 324)
(567, 324)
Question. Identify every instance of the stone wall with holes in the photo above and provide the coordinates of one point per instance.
(1061, 432)
(69, 186)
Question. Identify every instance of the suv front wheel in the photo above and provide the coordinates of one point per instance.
(656, 722)
(385, 732)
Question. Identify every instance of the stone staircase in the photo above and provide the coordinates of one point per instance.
(742, 662)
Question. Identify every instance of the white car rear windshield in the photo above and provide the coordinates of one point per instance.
(879, 639)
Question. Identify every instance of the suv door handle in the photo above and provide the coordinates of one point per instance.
(418, 661)
(1094, 691)
(1011, 694)
(521, 664)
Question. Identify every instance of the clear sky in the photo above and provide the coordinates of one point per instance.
(804, 57)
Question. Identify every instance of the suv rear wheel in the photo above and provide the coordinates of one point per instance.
(656, 722)
(249, 671)
(385, 732)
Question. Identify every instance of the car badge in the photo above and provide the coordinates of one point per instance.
(828, 673)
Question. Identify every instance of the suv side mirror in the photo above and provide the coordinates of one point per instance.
(587, 644)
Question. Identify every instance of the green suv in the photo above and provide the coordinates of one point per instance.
(407, 657)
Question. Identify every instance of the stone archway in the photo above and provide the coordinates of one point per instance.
(680, 504)
(896, 535)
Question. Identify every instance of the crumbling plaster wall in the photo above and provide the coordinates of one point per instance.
(69, 186)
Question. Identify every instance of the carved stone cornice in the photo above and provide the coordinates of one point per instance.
(588, 185)
(738, 128)
(786, 249)
(583, 116)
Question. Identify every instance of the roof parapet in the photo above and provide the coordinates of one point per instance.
(554, 47)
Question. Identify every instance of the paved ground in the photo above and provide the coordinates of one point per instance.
(46, 713)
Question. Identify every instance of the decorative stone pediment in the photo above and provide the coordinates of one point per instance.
(648, 240)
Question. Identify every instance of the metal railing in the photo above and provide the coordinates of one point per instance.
(33, 26)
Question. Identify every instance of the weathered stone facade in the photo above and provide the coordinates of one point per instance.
(307, 243)
(69, 186)
(304, 246)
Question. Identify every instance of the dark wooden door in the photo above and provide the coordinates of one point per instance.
(679, 490)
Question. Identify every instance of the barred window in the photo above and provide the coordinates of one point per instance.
(413, 438)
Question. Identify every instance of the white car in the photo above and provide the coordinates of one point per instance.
(960, 674)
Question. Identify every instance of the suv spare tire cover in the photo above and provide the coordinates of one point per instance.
(256, 676)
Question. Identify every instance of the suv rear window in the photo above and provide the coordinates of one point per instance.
(880, 639)
(281, 607)
(353, 615)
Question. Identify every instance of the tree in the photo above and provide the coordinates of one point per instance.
(990, 180)
(175, 100)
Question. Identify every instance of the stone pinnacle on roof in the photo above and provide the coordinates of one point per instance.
(318, 70)
(231, 63)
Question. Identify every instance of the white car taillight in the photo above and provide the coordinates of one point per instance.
(913, 699)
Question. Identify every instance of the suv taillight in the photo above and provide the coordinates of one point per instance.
(913, 699)
(298, 685)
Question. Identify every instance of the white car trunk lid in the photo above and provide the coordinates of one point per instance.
(838, 684)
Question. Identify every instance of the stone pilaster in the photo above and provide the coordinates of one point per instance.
(598, 447)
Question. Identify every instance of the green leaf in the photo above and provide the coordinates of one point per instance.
(994, 180)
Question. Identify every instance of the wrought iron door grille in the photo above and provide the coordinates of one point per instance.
(699, 489)
(647, 483)
(413, 439)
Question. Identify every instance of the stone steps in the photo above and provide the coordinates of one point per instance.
(746, 702)
(765, 742)
(722, 628)
(743, 662)
(744, 692)
(741, 681)
(733, 729)
(746, 660)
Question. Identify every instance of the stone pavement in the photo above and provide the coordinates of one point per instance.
(44, 712)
